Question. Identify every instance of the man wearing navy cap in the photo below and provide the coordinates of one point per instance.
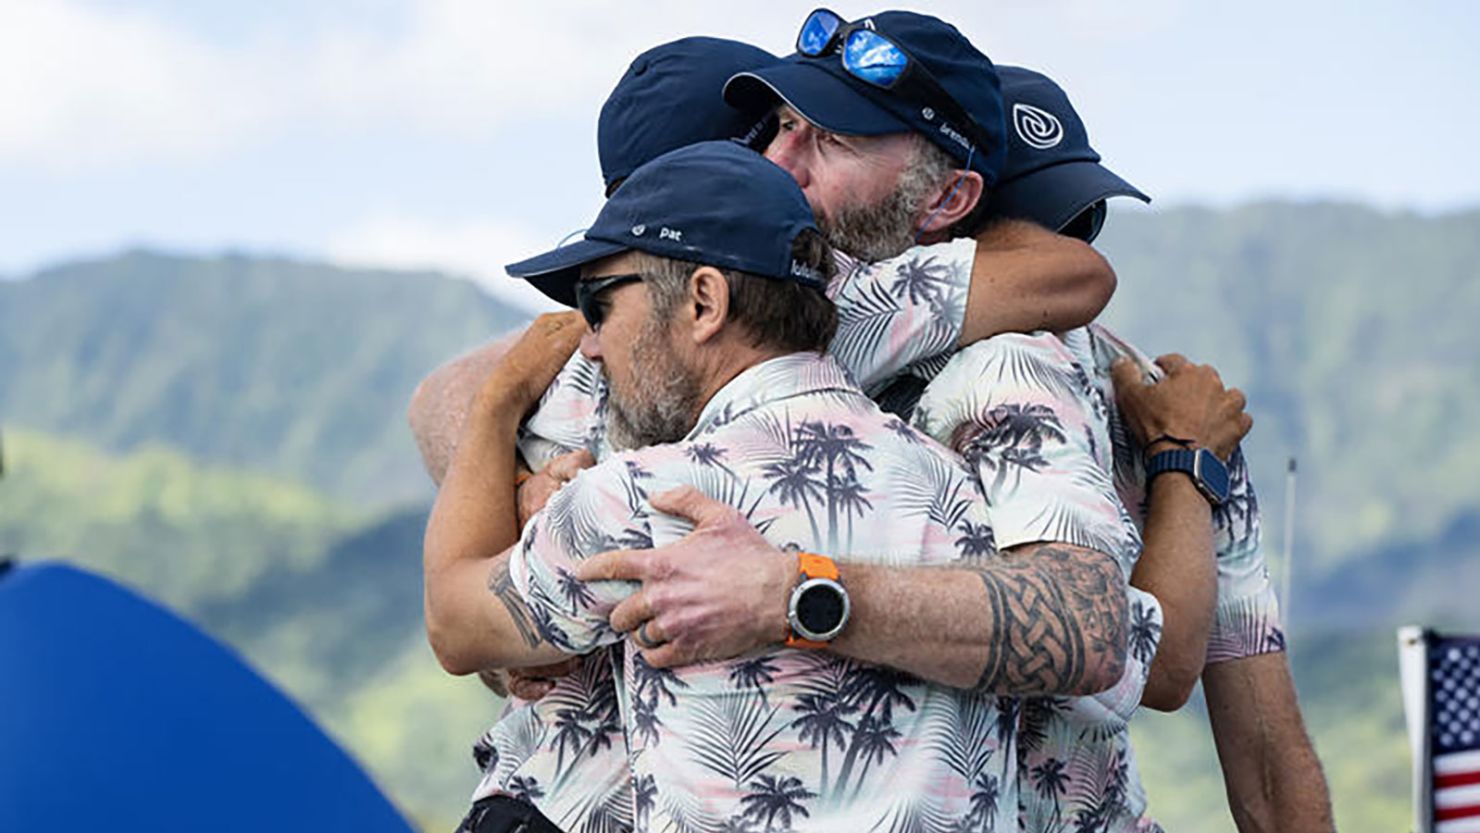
(810, 151)
(659, 90)
(850, 221)
(1012, 277)
(926, 139)
(710, 319)
(1221, 615)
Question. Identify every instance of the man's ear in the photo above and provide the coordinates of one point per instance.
(709, 303)
(955, 199)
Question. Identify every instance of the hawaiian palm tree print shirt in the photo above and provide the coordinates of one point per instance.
(896, 317)
(1077, 768)
(1027, 414)
(784, 739)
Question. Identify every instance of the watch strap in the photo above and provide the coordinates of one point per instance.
(1185, 460)
(1175, 459)
(811, 565)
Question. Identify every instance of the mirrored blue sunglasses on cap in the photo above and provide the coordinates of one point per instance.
(877, 60)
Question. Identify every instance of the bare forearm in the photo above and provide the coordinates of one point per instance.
(1027, 278)
(440, 404)
(1050, 619)
(472, 521)
(1177, 566)
(1273, 777)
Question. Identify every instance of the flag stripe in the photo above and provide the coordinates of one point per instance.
(1458, 826)
(1467, 810)
(1457, 762)
(1457, 797)
(1459, 779)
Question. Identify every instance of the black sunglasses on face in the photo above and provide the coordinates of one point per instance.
(588, 299)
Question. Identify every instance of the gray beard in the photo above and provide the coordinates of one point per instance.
(666, 403)
(888, 228)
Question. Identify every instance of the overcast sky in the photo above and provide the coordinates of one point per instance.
(461, 133)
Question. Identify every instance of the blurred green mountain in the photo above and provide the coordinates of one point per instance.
(294, 369)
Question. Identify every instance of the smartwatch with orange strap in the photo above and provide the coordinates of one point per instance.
(819, 605)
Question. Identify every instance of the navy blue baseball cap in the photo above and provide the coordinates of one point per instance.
(828, 96)
(716, 203)
(669, 97)
(1052, 173)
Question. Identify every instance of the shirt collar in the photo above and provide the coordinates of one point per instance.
(783, 377)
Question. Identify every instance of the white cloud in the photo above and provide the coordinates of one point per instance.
(475, 248)
(80, 86)
(83, 87)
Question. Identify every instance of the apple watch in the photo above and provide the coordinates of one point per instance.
(1208, 473)
(819, 605)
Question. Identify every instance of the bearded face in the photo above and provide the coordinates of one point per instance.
(658, 400)
(886, 228)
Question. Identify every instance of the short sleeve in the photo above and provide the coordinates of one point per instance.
(1247, 619)
(596, 512)
(1119, 702)
(901, 313)
(1023, 414)
(571, 415)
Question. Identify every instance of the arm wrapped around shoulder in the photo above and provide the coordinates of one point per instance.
(1061, 612)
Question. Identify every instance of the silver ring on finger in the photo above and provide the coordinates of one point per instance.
(644, 638)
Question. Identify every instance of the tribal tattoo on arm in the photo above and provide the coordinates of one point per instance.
(1060, 617)
(502, 586)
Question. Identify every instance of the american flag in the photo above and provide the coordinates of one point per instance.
(1454, 727)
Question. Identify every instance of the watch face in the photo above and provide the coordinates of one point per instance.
(820, 609)
(1213, 474)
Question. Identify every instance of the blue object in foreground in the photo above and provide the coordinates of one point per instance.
(119, 715)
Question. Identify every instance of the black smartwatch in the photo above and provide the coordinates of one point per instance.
(1208, 473)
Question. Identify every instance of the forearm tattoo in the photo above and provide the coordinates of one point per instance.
(502, 586)
(1060, 618)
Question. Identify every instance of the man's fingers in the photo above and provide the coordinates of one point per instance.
(536, 681)
(558, 325)
(566, 466)
(531, 689)
(630, 613)
(649, 634)
(1212, 373)
(688, 502)
(1126, 374)
(1237, 400)
(627, 565)
(666, 655)
(1172, 362)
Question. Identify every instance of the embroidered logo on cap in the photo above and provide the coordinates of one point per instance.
(637, 230)
(802, 270)
(1039, 128)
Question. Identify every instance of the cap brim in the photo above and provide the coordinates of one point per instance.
(1054, 195)
(555, 272)
(820, 96)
